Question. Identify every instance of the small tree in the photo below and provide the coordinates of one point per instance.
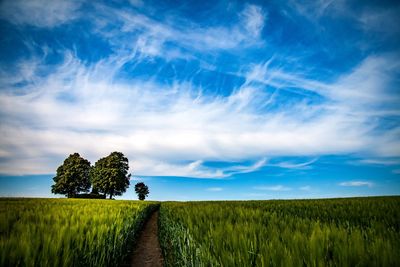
(72, 176)
(142, 190)
(110, 174)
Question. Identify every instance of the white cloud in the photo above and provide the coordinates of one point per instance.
(373, 19)
(237, 169)
(215, 189)
(305, 188)
(164, 168)
(314, 10)
(378, 161)
(173, 129)
(136, 3)
(273, 188)
(146, 36)
(356, 100)
(40, 13)
(291, 165)
(357, 183)
(380, 20)
(253, 19)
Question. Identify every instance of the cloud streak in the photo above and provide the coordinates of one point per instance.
(215, 189)
(141, 34)
(38, 13)
(357, 183)
(273, 188)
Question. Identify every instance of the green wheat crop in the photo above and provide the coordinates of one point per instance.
(68, 232)
(335, 232)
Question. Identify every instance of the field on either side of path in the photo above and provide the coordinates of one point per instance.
(330, 232)
(68, 232)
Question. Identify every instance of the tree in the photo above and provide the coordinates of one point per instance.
(142, 190)
(110, 174)
(72, 176)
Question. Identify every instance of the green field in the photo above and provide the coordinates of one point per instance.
(331, 232)
(336, 232)
(68, 232)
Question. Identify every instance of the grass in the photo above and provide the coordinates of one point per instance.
(335, 232)
(82, 232)
(68, 232)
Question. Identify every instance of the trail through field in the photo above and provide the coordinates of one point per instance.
(148, 252)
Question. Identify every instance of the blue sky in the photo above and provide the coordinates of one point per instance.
(207, 99)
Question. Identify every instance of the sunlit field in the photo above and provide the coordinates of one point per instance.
(68, 232)
(326, 232)
(332, 232)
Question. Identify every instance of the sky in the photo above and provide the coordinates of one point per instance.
(209, 100)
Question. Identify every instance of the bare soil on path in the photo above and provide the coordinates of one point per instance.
(147, 252)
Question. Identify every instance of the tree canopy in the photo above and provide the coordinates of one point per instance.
(142, 190)
(72, 176)
(110, 174)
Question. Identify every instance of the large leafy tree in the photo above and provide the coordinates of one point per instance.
(110, 174)
(142, 190)
(72, 176)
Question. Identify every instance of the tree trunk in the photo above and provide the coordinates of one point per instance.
(111, 193)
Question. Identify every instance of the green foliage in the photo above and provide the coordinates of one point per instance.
(110, 174)
(68, 232)
(142, 190)
(72, 176)
(334, 232)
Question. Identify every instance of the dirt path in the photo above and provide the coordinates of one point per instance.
(148, 252)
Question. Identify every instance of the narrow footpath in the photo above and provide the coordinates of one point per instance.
(148, 252)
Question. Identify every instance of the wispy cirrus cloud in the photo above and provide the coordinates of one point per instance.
(149, 37)
(357, 183)
(253, 18)
(215, 189)
(273, 188)
(380, 21)
(378, 161)
(295, 165)
(38, 13)
(169, 125)
(372, 19)
(305, 188)
(154, 122)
